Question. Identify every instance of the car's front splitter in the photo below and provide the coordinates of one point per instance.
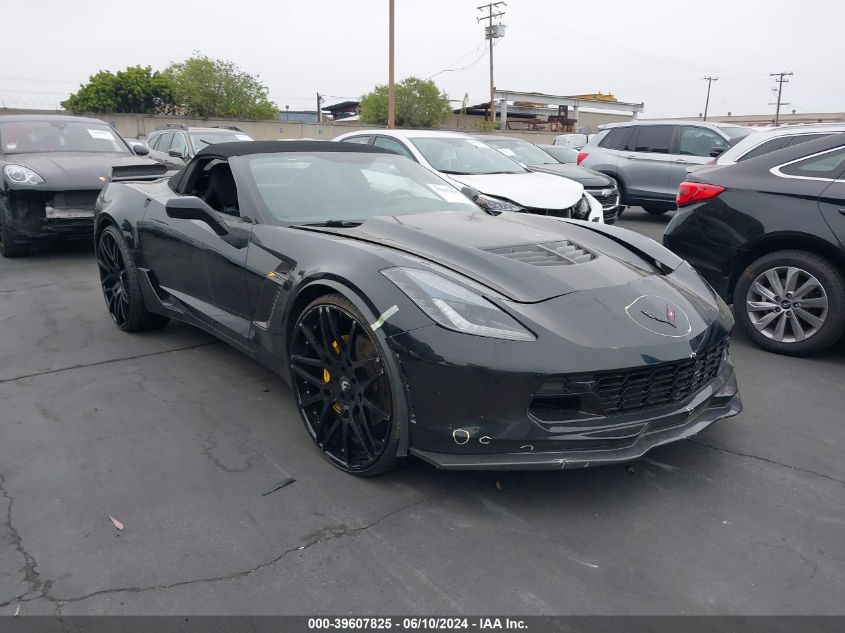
(719, 400)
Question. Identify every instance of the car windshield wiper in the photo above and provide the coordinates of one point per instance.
(449, 171)
(337, 224)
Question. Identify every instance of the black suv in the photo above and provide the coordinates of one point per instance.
(175, 144)
(769, 234)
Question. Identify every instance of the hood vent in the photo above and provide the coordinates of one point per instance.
(559, 253)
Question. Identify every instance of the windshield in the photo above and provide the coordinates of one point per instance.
(455, 155)
(347, 186)
(203, 139)
(735, 131)
(563, 154)
(29, 137)
(523, 151)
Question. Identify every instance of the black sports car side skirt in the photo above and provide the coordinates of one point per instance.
(719, 400)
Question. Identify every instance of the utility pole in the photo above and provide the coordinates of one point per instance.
(492, 33)
(709, 81)
(780, 81)
(391, 86)
(319, 108)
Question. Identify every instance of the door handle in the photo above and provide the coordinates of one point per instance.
(681, 161)
(633, 157)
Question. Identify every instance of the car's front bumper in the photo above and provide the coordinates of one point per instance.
(49, 215)
(718, 400)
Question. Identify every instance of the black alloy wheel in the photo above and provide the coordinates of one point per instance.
(121, 286)
(344, 388)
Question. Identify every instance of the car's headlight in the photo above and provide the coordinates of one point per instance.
(21, 175)
(456, 307)
(495, 204)
(581, 211)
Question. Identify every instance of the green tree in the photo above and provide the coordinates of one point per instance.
(207, 87)
(419, 103)
(137, 89)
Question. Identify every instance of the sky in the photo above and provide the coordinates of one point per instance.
(651, 51)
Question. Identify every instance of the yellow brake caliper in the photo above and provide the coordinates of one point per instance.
(338, 408)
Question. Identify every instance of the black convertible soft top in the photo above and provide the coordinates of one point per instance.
(244, 148)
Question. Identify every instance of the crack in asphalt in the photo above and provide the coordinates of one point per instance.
(106, 362)
(320, 536)
(765, 459)
(34, 287)
(30, 566)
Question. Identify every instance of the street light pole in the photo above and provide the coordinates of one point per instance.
(491, 36)
(391, 86)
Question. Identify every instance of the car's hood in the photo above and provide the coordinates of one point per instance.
(463, 240)
(63, 171)
(587, 177)
(530, 189)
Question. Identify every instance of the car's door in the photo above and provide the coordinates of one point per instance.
(831, 166)
(646, 163)
(695, 145)
(204, 271)
(173, 147)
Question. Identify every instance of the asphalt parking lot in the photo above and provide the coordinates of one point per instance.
(178, 436)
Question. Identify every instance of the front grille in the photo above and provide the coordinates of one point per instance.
(74, 199)
(619, 392)
(610, 200)
(560, 253)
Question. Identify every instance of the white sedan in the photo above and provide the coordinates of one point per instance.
(503, 184)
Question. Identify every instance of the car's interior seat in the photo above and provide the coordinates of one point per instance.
(222, 193)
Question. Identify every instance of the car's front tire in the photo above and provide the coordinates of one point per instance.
(346, 391)
(791, 302)
(121, 284)
(655, 210)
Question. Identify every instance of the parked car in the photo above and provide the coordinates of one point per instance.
(769, 234)
(477, 168)
(575, 141)
(175, 144)
(601, 187)
(561, 154)
(649, 159)
(53, 168)
(410, 321)
(760, 143)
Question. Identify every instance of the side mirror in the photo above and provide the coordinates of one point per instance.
(717, 151)
(193, 208)
(470, 192)
(176, 153)
(140, 150)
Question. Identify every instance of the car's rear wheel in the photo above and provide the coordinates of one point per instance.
(655, 209)
(121, 284)
(345, 390)
(791, 302)
(9, 247)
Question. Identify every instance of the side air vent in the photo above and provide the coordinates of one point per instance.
(549, 254)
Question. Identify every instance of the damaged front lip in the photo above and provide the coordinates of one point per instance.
(52, 213)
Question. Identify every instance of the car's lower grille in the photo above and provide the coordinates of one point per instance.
(603, 394)
(74, 199)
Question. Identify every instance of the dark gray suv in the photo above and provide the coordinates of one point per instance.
(649, 159)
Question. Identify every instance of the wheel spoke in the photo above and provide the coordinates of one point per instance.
(353, 339)
(805, 316)
(797, 329)
(308, 377)
(763, 291)
(808, 286)
(372, 406)
(305, 360)
(312, 400)
(774, 282)
(360, 434)
(815, 302)
(367, 361)
(331, 333)
(309, 336)
(781, 327)
(369, 381)
(791, 279)
(760, 306)
(330, 433)
(763, 323)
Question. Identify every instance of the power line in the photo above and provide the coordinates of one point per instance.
(780, 81)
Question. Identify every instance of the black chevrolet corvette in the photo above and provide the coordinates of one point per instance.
(409, 321)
